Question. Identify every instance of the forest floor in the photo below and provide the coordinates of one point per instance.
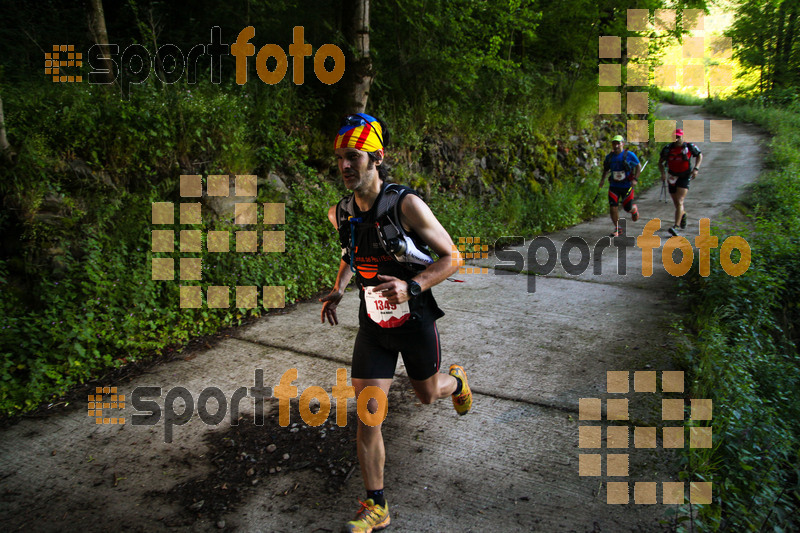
(511, 464)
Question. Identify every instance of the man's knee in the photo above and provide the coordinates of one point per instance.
(369, 434)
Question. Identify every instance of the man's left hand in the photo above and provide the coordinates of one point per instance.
(394, 289)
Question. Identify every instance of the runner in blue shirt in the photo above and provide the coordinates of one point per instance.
(622, 168)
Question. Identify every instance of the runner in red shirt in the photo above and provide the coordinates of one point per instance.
(677, 170)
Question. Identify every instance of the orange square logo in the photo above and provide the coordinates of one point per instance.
(96, 405)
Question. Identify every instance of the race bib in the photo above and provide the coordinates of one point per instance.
(383, 313)
(618, 175)
(672, 179)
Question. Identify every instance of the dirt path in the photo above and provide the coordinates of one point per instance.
(512, 464)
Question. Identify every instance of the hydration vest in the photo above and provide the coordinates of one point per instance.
(416, 254)
(626, 164)
(678, 158)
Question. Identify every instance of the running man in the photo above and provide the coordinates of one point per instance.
(387, 233)
(675, 159)
(623, 168)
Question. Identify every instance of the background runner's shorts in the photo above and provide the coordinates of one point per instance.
(375, 352)
(681, 180)
(621, 195)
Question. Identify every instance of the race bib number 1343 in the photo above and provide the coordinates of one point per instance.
(383, 313)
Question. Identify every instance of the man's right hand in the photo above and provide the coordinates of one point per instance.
(329, 305)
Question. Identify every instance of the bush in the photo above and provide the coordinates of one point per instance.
(78, 297)
(743, 352)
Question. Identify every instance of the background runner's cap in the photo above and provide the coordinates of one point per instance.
(679, 133)
(618, 138)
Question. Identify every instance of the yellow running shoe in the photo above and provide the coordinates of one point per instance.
(462, 401)
(371, 517)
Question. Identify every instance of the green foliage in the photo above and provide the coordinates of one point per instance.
(107, 311)
(677, 98)
(765, 37)
(743, 353)
(484, 67)
(508, 80)
(144, 139)
(98, 162)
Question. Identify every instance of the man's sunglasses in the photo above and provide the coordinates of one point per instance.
(358, 120)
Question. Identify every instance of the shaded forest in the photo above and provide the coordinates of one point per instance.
(492, 108)
(493, 111)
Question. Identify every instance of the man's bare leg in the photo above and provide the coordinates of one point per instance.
(369, 439)
(435, 387)
(677, 199)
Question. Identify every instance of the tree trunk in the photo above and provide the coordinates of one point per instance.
(4, 146)
(97, 26)
(779, 60)
(358, 74)
(788, 45)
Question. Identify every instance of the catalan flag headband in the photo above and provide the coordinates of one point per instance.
(361, 132)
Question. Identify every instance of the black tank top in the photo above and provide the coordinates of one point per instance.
(370, 259)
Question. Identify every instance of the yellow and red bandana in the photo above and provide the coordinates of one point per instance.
(360, 131)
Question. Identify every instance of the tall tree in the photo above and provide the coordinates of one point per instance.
(358, 74)
(787, 15)
(764, 34)
(4, 146)
(97, 26)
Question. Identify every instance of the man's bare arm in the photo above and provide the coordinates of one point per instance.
(343, 277)
(603, 177)
(698, 161)
(417, 216)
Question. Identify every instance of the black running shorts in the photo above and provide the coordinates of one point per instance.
(621, 195)
(375, 352)
(683, 181)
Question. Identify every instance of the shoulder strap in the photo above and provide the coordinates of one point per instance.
(625, 163)
(390, 200)
(387, 204)
(675, 150)
(344, 209)
(388, 217)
